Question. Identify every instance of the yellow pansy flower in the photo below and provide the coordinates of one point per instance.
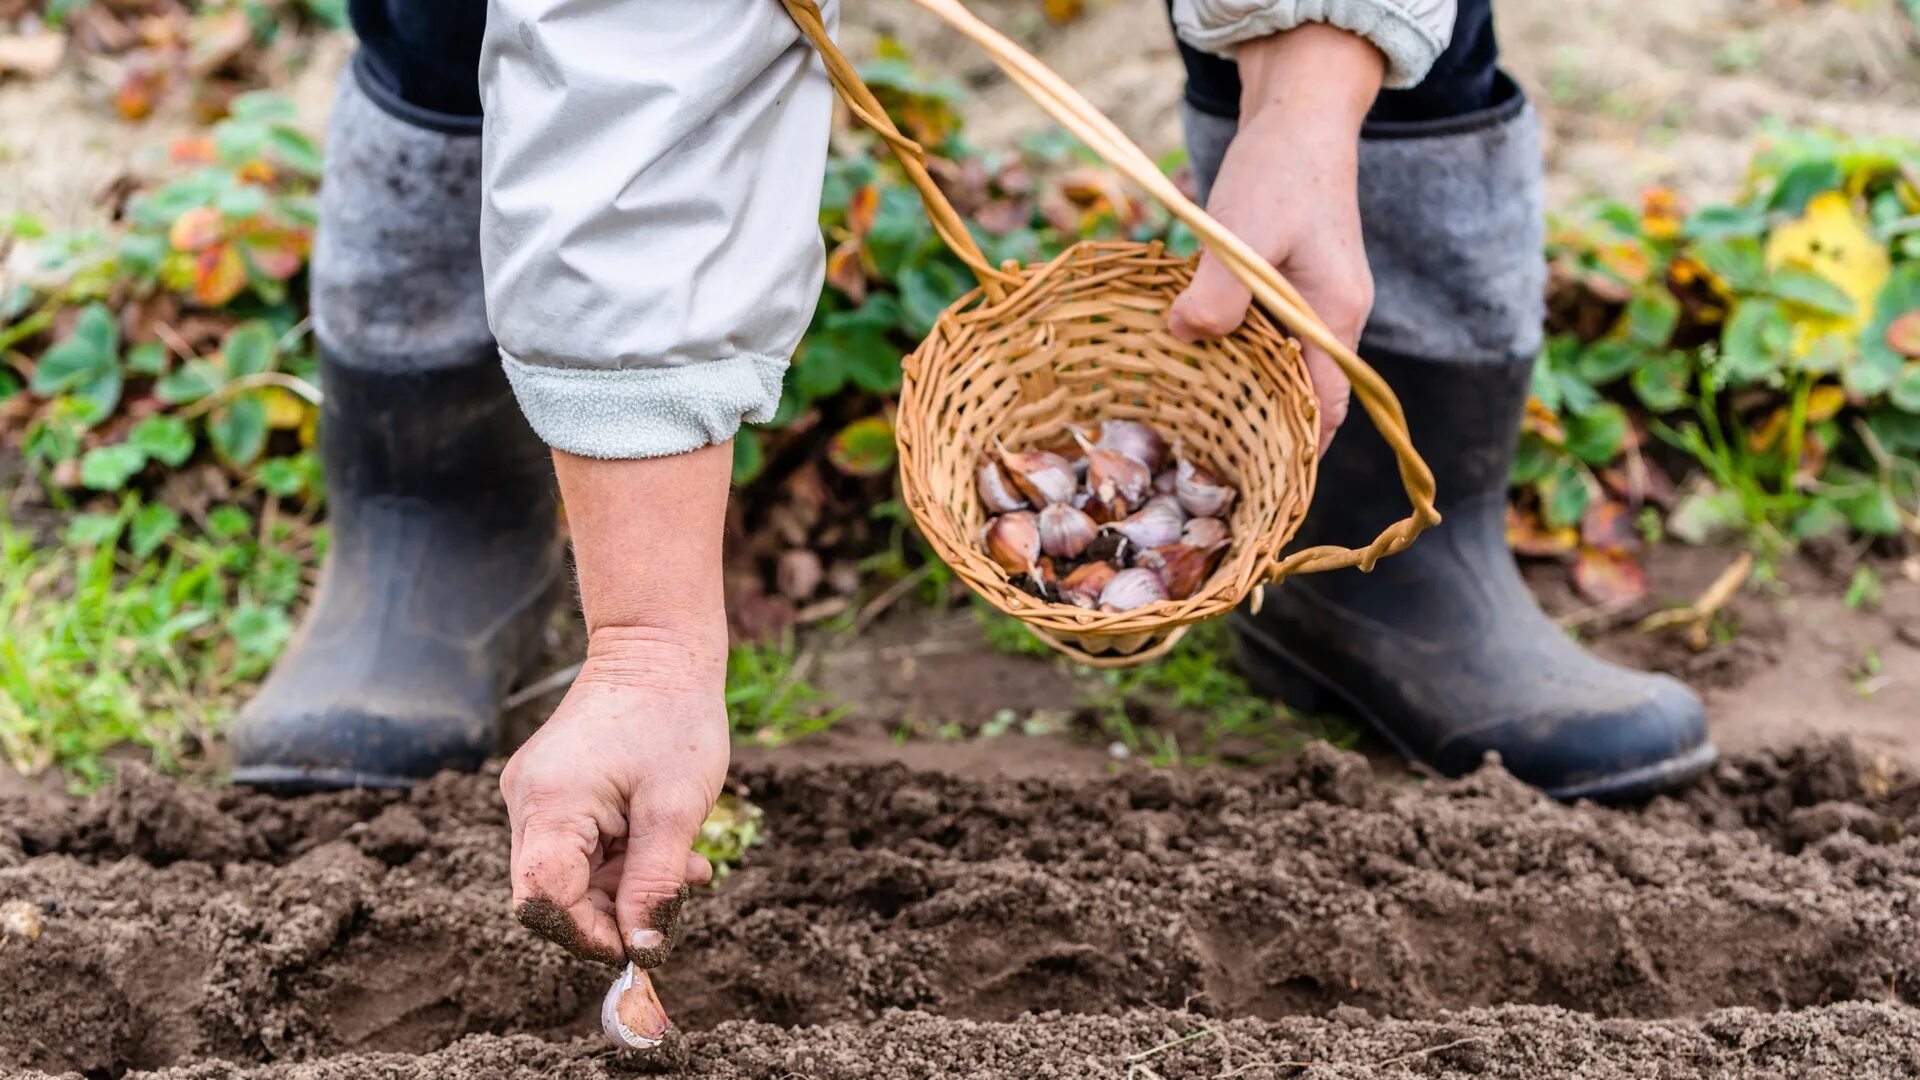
(1831, 240)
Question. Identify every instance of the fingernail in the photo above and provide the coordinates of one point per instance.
(647, 939)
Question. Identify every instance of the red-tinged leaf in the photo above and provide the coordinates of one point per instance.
(218, 275)
(193, 150)
(1903, 334)
(1608, 576)
(137, 93)
(845, 273)
(1638, 481)
(1540, 421)
(196, 230)
(1608, 524)
(1002, 216)
(1062, 11)
(1528, 536)
(1014, 178)
(1060, 212)
(278, 256)
(861, 210)
(256, 171)
(863, 448)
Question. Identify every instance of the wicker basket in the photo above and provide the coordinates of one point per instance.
(1083, 338)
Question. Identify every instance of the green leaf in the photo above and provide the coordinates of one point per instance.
(260, 631)
(108, 468)
(248, 349)
(239, 430)
(1704, 516)
(1650, 318)
(1802, 182)
(82, 357)
(1608, 359)
(1596, 435)
(147, 359)
(140, 253)
(1872, 512)
(263, 105)
(1661, 383)
(242, 201)
(190, 381)
(295, 151)
(1806, 289)
(227, 522)
(150, 527)
(1820, 518)
(1879, 363)
(863, 448)
(748, 457)
(92, 530)
(283, 476)
(97, 397)
(1735, 260)
(1564, 495)
(1724, 222)
(239, 141)
(1531, 460)
(1755, 342)
(164, 438)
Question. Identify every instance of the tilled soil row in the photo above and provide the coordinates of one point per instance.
(1835, 1042)
(184, 925)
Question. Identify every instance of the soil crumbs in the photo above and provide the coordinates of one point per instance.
(1306, 920)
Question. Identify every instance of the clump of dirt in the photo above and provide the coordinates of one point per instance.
(1024, 925)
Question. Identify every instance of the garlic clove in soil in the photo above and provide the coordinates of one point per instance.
(631, 1013)
(1013, 541)
(1043, 477)
(1201, 492)
(1204, 532)
(1082, 588)
(997, 492)
(1133, 588)
(1065, 532)
(1134, 439)
(1152, 526)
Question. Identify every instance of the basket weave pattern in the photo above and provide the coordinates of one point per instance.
(1084, 338)
(1081, 339)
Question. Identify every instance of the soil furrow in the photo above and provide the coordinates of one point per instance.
(182, 925)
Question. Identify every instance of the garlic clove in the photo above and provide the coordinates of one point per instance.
(1200, 491)
(1151, 527)
(1013, 541)
(1114, 477)
(631, 1013)
(1133, 588)
(1171, 502)
(997, 492)
(1165, 482)
(1204, 532)
(1043, 477)
(1065, 532)
(1134, 439)
(1183, 568)
(1082, 588)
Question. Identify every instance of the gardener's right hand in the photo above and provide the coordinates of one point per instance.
(607, 798)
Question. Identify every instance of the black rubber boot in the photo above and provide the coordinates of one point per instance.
(445, 562)
(1441, 650)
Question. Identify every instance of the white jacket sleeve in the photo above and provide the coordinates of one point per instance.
(1411, 33)
(651, 175)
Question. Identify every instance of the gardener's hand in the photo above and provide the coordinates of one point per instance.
(1286, 187)
(607, 798)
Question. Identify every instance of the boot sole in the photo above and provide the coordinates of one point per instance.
(1278, 673)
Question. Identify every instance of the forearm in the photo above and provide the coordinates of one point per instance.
(1314, 72)
(646, 540)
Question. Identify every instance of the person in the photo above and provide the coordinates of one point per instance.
(640, 204)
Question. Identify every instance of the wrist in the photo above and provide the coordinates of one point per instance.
(654, 657)
(1317, 75)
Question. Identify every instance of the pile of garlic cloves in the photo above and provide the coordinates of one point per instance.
(1109, 523)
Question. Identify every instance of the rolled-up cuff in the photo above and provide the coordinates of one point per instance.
(1409, 46)
(646, 412)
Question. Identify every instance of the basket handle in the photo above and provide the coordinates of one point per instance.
(1268, 285)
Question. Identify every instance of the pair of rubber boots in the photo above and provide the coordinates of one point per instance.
(445, 566)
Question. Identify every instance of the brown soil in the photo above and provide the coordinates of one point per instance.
(924, 918)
